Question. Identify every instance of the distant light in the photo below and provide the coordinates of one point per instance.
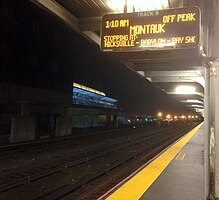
(175, 117)
(77, 85)
(189, 116)
(185, 90)
(183, 117)
(192, 116)
(159, 114)
(196, 116)
(168, 116)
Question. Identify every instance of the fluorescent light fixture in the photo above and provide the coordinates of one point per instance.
(198, 106)
(139, 5)
(193, 101)
(185, 90)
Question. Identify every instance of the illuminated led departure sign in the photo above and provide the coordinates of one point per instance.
(159, 29)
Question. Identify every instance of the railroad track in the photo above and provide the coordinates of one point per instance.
(39, 151)
(97, 188)
(97, 152)
(32, 145)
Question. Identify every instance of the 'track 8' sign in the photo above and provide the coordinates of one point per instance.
(159, 29)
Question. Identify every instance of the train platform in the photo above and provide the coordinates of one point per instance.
(176, 173)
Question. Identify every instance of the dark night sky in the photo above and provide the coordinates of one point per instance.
(37, 50)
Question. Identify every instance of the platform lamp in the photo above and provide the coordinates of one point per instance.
(185, 90)
(137, 5)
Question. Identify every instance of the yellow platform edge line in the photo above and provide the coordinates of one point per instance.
(134, 188)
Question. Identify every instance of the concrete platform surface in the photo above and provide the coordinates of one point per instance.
(176, 174)
(183, 178)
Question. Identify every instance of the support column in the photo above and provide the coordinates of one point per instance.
(23, 128)
(115, 121)
(211, 145)
(63, 126)
(216, 92)
(206, 135)
(211, 130)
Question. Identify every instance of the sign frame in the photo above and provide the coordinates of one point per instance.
(147, 15)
